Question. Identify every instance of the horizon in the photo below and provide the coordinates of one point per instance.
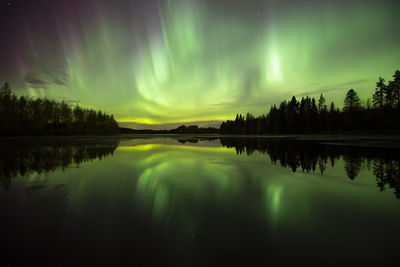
(168, 126)
(159, 64)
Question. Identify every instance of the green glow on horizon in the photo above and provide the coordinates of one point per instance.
(193, 62)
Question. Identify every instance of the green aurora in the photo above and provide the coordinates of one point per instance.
(159, 62)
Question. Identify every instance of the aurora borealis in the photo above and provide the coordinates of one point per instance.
(160, 62)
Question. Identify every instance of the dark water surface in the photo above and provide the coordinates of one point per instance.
(196, 202)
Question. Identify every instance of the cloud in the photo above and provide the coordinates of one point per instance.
(59, 82)
(46, 76)
(57, 75)
(69, 101)
(36, 83)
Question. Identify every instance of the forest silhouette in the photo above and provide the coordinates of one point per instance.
(381, 115)
(25, 116)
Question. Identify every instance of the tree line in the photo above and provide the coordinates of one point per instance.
(25, 116)
(314, 116)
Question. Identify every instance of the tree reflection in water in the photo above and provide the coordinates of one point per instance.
(23, 158)
(311, 156)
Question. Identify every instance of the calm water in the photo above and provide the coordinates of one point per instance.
(164, 201)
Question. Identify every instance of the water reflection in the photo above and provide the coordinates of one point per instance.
(24, 158)
(192, 201)
(311, 156)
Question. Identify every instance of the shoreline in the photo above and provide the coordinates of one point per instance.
(383, 141)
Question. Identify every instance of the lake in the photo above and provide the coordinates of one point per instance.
(196, 201)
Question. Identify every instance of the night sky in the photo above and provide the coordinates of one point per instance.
(157, 62)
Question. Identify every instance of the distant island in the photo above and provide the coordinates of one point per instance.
(183, 129)
(381, 115)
